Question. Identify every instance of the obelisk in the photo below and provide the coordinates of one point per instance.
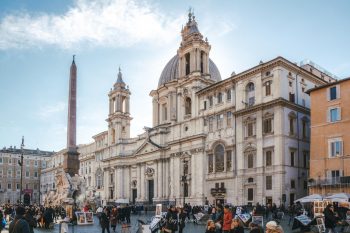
(71, 159)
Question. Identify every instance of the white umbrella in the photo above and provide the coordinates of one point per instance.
(310, 198)
(339, 197)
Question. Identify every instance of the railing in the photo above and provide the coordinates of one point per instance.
(340, 180)
(217, 190)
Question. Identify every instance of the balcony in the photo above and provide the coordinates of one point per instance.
(333, 181)
(215, 191)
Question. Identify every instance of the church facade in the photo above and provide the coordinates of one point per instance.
(241, 140)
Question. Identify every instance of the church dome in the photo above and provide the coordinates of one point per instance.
(171, 71)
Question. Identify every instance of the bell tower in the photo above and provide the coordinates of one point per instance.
(119, 111)
(193, 51)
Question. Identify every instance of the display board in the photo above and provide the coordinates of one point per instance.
(303, 219)
(320, 225)
(319, 207)
(84, 218)
(158, 210)
(244, 217)
(258, 220)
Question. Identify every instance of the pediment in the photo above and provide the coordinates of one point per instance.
(146, 147)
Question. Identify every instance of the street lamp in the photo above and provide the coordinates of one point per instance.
(21, 164)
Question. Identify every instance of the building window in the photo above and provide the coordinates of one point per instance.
(185, 167)
(219, 96)
(35, 163)
(250, 160)
(187, 60)
(229, 119)
(305, 185)
(292, 119)
(35, 174)
(27, 163)
(111, 178)
(210, 163)
(228, 160)
(250, 129)
(334, 114)
(267, 124)
(268, 88)
(268, 158)
(27, 174)
(268, 182)
(292, 184)
(228, 95)
(250, 194)
(205, 105)
(291, 97)
(219, 120)
(250, 180)
(333, 93)
(0, 172)
(0, 160)
(335, 147)
(210, 98)
(9, 173)
(188, 106)
(304, 126)
(250, 89)
(211, 119)
(205, 121)
(9, 186)
(18, 187)
(219, 158)
(292, 158)
(18, 174)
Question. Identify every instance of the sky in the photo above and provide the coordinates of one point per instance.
(38, 39)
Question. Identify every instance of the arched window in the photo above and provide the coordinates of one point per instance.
(188, 106)
(219, 97)
(250, 161)
(250, 89)
(219, 153)
(202, 62)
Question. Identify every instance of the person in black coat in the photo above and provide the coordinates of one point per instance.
(330, 218)
(182, 219)
(171, 219)
(104, 220)
(30, 219)
(19, 224)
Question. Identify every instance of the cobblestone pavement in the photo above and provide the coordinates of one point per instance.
(190, 227)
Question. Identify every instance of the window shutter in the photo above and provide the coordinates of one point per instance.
(341, 148)
(339, 114)
(338, 91)
(328, 94)
(329, 115)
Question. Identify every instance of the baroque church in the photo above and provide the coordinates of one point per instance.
(240, 140)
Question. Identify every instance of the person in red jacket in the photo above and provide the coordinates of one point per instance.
(227, 220)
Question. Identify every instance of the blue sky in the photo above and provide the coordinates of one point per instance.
(38, 39)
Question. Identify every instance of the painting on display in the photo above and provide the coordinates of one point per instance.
(84, 218)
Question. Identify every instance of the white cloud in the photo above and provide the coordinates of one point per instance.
(117, 23)
(50, 110)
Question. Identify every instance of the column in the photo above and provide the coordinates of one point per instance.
(193, 176)
(138, 171)
(159, 179)
(177, 175)
(155, 112)
(110, 106)
(115, 179)
(127, 105)
(143, 181)
(155, 180)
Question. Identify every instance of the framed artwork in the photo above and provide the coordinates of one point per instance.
(320, 225)
(258, 220)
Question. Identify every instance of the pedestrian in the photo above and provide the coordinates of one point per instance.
(254, 228)
(113, 218)
(104, 220)
(210, 227)
(273, 227)
(30, 219)
(182, 219)
(236, 227)
(227, 220)
(330, 218)
(19, 224)
(171, 219)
